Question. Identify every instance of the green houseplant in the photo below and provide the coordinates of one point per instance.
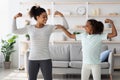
(27, 36)
(75, 32)
(7, 48)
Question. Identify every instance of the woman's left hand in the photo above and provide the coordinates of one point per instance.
(58, 13)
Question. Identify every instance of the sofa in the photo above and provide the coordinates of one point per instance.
(67, 59)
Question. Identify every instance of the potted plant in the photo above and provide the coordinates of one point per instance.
(27, 36)
(7, 48)
(75, 32)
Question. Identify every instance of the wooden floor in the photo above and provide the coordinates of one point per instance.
(14, 74)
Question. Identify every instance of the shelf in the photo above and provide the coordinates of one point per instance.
(103, 2)
(64, 3)
(72, 15)
(35, 3)
(117, 54)
(77, 29)
(104, 16)
(81, 29)
(112, 42)
(50, 2)
(73, 41)
(116, 67)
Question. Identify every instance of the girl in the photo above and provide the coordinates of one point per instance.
(39, 35)
(91, 41)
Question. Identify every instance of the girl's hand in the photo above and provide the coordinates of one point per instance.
(18, 15)
(58, 13)
(109, 21)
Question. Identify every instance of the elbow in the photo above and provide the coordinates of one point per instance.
(112, 35)
(72, 36)
(13, 31)
(115, 34)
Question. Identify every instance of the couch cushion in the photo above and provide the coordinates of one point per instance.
(104, 55)
(75, 52)
(75, 64)
(104, 65)
(59, 52)
(78, 64)
(60, 63)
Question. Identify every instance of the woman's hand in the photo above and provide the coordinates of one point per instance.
(58, 13)
(18, 15)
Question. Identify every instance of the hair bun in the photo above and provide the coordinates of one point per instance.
(36, 7)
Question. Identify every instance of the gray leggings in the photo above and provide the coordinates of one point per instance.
(46, 69)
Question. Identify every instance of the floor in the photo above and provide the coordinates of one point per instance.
(14, 74)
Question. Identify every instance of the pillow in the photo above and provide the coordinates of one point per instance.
(104, 55)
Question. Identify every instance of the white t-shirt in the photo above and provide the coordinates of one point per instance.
(39, 39)
(91, 47)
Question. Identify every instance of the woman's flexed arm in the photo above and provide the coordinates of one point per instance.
(65, 31)
(65, 24)
(14, 25)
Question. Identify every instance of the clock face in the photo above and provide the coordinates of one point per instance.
(81, 10)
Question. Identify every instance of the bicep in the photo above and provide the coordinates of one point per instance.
(18, 30)
(110, 35)
(65, 23)
(21, 31)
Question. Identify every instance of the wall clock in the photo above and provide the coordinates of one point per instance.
(81, 10)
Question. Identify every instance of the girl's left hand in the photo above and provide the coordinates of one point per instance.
(108, 21)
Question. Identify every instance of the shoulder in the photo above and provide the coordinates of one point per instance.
(50, 26)
(104, 36)
(29, 27)
(83, 34)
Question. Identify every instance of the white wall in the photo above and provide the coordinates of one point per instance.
(14, 7)
(4, 24)
(75, 0)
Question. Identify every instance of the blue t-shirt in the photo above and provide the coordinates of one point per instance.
(91, 47)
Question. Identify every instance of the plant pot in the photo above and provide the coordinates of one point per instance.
(7, 65)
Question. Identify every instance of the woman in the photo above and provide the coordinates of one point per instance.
(39, 48)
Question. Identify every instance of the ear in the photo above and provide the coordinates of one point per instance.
(37, 17)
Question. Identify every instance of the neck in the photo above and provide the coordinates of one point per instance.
(38, 25)
(91, 32)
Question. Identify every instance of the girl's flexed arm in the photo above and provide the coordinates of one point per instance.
(114, 31)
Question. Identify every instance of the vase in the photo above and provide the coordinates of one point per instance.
(7, 65)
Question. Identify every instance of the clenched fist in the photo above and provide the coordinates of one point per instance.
(18, 15)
